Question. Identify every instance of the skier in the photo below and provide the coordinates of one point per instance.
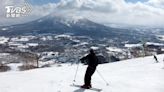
(92, 62)
(156, 59)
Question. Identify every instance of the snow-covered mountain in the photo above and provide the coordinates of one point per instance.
(76, 25)
(134, 75)
(56, 24)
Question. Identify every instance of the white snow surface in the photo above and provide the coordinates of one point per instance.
(32, 44)
(140, 45)
(160, 37)
(63, 36)
(156, 44)
(3, 40)
(132, 45)
(20, 39)
(114, 49)
(4, 29)
(134, 75)
(94, 48)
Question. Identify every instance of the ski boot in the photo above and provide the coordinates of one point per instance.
(86, 86)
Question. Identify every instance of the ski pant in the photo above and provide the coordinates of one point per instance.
(88, 75)
(156, 60)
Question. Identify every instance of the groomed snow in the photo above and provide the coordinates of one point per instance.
(135, 75)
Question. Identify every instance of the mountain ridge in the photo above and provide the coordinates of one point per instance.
(76, 25)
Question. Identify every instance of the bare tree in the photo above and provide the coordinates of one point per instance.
(29, 60)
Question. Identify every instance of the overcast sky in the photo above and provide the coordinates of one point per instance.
(40, 2)
(131, 12)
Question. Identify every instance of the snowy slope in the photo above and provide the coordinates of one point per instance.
(136, 75)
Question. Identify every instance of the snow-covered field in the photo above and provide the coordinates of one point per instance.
(135, 75)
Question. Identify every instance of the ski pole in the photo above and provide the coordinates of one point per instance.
(102, 77)
(76, 72)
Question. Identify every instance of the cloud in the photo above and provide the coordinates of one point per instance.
(117, 11)
(148, 13)
(156, 3)
(88, 5)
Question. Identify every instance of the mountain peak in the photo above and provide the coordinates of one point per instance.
(67, 20)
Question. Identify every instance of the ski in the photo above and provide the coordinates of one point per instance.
(94, 89)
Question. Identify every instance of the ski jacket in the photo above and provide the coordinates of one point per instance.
(91, 59)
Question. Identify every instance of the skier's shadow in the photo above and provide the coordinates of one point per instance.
(80, 90)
